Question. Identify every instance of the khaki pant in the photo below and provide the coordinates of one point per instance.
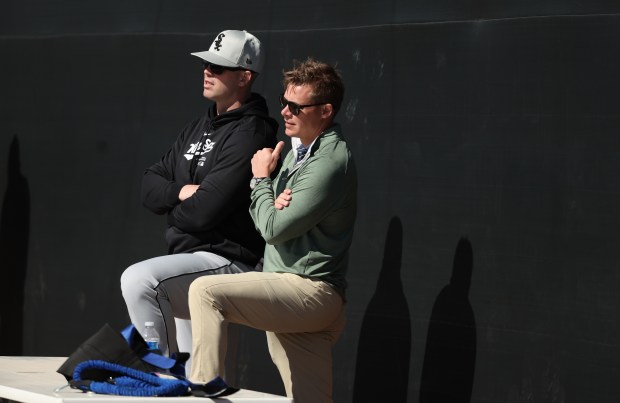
(303, 318)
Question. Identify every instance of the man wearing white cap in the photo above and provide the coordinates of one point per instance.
(201, 184)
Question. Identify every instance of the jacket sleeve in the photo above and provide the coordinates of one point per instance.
(318, 187)
(160, 191)
(226, 187)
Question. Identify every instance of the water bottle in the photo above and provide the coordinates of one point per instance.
(151, 337)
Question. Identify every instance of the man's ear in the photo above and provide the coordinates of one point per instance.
(246, 77)
(327, 111)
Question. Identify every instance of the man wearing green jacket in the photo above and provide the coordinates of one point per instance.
(306, 215)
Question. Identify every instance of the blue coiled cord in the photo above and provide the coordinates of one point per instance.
(134, 383)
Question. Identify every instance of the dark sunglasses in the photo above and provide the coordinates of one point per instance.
(217, 69)
(294, 107)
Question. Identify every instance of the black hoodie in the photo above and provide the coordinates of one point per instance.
(213, 151)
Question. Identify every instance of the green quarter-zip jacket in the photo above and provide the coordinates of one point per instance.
(311, 237)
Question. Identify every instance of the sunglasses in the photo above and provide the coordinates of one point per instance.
(295, 108)
(217, 69)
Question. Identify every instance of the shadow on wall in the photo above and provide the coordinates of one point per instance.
(384, 348)
(14, 233)
(450, 357)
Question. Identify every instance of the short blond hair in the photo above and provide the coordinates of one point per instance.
(325, 80)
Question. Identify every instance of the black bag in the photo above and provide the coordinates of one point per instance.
(127, 348)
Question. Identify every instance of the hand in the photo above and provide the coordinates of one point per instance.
(283, 200)
(265, 161)
(187, 191)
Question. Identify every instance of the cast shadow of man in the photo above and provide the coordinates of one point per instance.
(384, 347)
(14, 233)
(450, 357)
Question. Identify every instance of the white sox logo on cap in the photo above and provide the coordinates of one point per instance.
(218, 41)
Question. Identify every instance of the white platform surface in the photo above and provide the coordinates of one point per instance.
(34, 380)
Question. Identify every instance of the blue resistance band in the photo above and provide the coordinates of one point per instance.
(134, 383)
(138, 383)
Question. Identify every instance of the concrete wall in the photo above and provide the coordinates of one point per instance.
(486, 135)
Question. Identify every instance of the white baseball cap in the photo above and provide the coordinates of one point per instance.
(235, 49)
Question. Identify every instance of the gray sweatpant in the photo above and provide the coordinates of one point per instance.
(155, 290)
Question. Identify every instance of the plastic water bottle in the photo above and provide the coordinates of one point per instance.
(151, 337)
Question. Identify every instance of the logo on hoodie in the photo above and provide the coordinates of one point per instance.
(199, 149)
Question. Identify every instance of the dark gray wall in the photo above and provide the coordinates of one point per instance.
(486, 135)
